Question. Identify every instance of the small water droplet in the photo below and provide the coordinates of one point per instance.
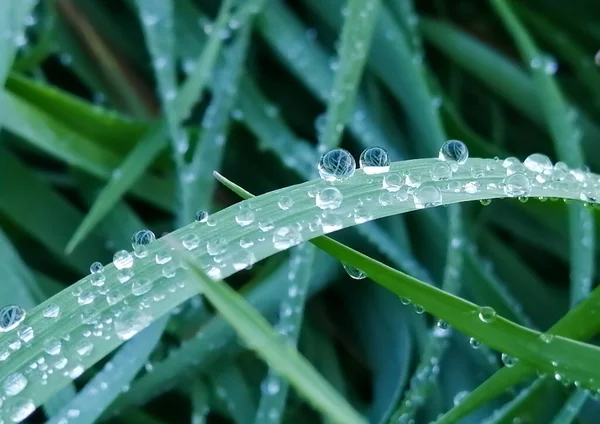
(487, 314)
(270, 385)
(516, 185)
(475, 344)
(10, 317)
(123, 259)
(190, 241)
(140, 241)
(285, 203)
(245, 216)
(14, 384)
(25, 334)
(440, 171)
(353, 272)
(460, 396)
(216, 246)
(266, 225)
(286, 237)
(454, 152)
(202, 216)
(427, 196)
(393, 182)
(329, 198)
(336, 165)
(141, 286)
(96, 268)
(51, 310)
(546, 338)
(419, 309)
(52, 346)
(509, 361)
(374, 160)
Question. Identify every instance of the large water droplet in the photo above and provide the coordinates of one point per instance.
(516, 185)
(427, 196)
(487, 314)
(190, 241)
(374, 160)
(140, 241)
(141, 286)
(123, 259)
(96, 268)
(10, 317)
(131, 322)
(14, 384)
(538, 163)
(336, 165)
(286, 237)
(216, 247)
(51, 310)
(202, 216)
(393, 182)
(20, 409)
(353, 272)
(329, 198)
(245, 216)
(440, 171)
(454, 152)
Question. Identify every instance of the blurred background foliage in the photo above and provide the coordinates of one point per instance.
(84, 91)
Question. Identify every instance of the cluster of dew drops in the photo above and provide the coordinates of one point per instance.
(424, 188)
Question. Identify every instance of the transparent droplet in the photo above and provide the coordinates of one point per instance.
(141, 286)
(130, 322)
(14, 384)
(427, 196)
(393, 182)
(329, 198)
(440, 171)
(202, 216)
(162, 257)
(353, 272)
(487, 314)
(285, 202)
(190, 241)
(475, 344)
(96, 268)
(286, 237)
(419, 309)
(245, 216)
(25, 334)
(216, 246)
(52, 346)
(331, 223)
(460, 396)
(336, 165)
(270, 385)
(123, 259)
(546, 338)
(538, 163)
(84, 347)
(405, 300)
(454, 152)
(51, 310)
(266, 225)
(124, 275)
(509, 361)
(10, 317)
(20, 410)
(516, 185)
(140, 241)
(374, 160)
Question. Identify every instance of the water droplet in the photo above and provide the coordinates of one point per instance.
(202, 216)
(336, 165)
(427, 196)
(538, 163)
(20, 409)
(509, 361)
(96, 268)
(14, 384)
(25, 334)
(286, 237)
(516, 185)
(162, 257)
(51, 310)
(124, 275)
(374, 160)
(52, 346)
(10, 317)
(353, 272)
(285, 202)
(487, 314)
(454, 152)
(475, 344)
(393, 182)
(419, 309)
(331, 223)
(245, 216)
(140, 241)
(141, 286)
(460, 396)
(485, 202)
(329, 198)
(440, 171)
(190, 241)
(131, 322)
(216, 247)
(266, 225)
(546, 338)
(270, 385)
(84, 347)
(123, 259)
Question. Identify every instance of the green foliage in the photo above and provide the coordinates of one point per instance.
(116, 118)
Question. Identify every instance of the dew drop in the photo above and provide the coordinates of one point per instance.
(14, 384)
(419, 309)
(329, 198)
(270, 386)
(285, 202)
(190, 241)
(475, 344)
(216, 247)
(140, 241)
(141, 286)
(516, 185)
(84, 347)
(336, 165)
(353, 272)
(96, 268)
(509, 361)
(405, 300)
(20, 410)
(266, 225)
(10, 317)
(131, 322)
(25, 334)
(202, 216)
(245, 216)
(440, 171)
(454, 152)
(52, 346)
(427, 196)
(487, 314)
(123, 259)
(331, 223)
(546, 338)
(51, 310)
(162, 257)
(393, 182)
(286, 237)
(460, 396)
(538, 163)
(374, 160)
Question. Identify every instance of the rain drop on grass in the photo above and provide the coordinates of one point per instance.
(202, 216)
(10, 317)
(140, 240)
(516, 185)
(487, 314)
(454, 152)
(329, 198)
(123, 259)
(336, 165)
(374, 160)
(353, 272)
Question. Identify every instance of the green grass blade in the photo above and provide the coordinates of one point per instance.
(232, 393)
(153, 142)
(285, 360)
(355, 43)
(12, 22)
(571, 408)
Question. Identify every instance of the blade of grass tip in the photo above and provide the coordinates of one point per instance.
(421, 388)
(571, 407)
(199, 185)
(355, 43)
(259, 335)
(232, 392)
(153, 142)
(12, 22)
(566, 136)
(291, 311)
(295, 46)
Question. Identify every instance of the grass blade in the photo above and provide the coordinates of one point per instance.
(12, 21)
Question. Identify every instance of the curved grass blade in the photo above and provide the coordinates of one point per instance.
(170, 285)
(153, 142)
(259, 335)
(232, 392)
(355, 43)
